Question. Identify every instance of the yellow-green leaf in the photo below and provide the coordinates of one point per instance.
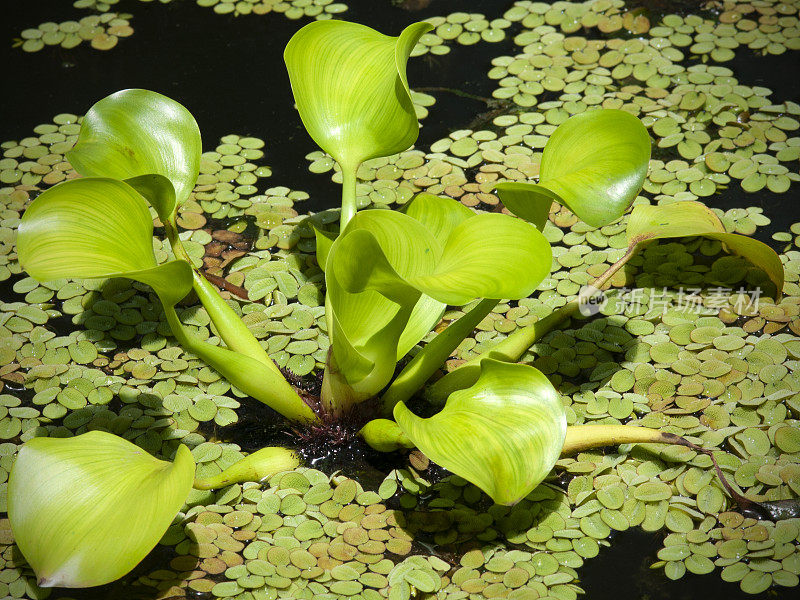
(594, 163)
(93, 228)
(389, 276)
(138, 132)
(86, 510)
(349, 83)
(484, 256)
(504, 434)
(682, 219)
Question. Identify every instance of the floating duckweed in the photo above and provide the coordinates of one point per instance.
(291, 9)
(102, 31)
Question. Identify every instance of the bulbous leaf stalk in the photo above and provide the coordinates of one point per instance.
(254, 467)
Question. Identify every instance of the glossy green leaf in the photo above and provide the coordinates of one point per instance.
(324, 241)
(349, 84)
(389, 277)
(86, 510)
(138, 132)
(526, 200)
(160, 193)
(504, 434)
(438, 215)
(682, 219)
(95, 228)
(484, 256)
(594, 163)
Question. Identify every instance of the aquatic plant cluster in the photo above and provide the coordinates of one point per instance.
(716, 366)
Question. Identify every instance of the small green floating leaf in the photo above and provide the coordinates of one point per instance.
(86, 510)
(594, 163)
(682, 219)
(138, 132)
(349, 83)
(93, 228)
(503, 434)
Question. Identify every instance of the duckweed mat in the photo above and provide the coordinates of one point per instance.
(689, 339)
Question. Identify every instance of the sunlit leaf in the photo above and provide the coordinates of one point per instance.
(389, 273)
(438, 215)
(526, 200)
(324, 241)
(349, 83)
(484, 256)
(139, 132)
(681, 219)
(504, 434)
(95, 228)
(594, 163)
(85, 510)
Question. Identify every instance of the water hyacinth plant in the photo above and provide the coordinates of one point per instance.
(86, 510)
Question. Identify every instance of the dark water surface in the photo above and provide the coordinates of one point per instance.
(228, 71)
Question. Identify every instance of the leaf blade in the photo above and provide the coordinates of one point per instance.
(138, 132)
(96, 227)
(350, 87)
(682, 219)
(504, 434)
(72, 500)
(594, 163)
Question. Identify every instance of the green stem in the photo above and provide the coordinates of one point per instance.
(349, 181)
(433, 355)
(251, 376)
(233, 332)
(174, 239)
(586, 437)
(515, 345)
(230, 327)
(337, 396)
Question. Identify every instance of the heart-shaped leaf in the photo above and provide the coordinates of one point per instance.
(138, 132)
(682, 219)
(504, 434)
(594, 163)
(93, 228)
(85, 510)
(349, 83)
